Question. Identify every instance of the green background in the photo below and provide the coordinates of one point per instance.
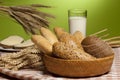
(101, 14)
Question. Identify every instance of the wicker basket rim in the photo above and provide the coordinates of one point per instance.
(99, 59)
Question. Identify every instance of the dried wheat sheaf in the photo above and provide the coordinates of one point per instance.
(29, 16)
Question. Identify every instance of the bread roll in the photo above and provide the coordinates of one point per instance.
(10, 41)
(42, 43)
(79, 36)
(59, 31)
(69, 37)
(48, 35)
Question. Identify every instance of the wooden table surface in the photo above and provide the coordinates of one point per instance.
(113, 75)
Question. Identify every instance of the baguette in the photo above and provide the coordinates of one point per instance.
(42, 43)
(48, 35)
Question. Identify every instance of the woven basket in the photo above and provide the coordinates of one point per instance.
(77, 68)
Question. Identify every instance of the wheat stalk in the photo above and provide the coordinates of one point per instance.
(40, 5)
(113, 41)
(29, 17)
(113, 38)
(97, 33)
(29, 57)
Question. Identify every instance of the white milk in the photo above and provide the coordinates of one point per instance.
(77, 24)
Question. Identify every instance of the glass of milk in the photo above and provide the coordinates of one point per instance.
(77, 20)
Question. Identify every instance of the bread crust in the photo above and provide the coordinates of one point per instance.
(59, 32)
(79, 36)
(51, 37)
(66, 50)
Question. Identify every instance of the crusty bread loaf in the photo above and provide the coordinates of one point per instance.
(10, 41)
(48, 35)
(90, 40)
(97, 47)
(42, 43)
(66, 50)
(24, 44)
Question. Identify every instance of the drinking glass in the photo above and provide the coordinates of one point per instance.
(77, 20)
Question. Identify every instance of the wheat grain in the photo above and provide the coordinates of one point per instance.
(27, 57)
